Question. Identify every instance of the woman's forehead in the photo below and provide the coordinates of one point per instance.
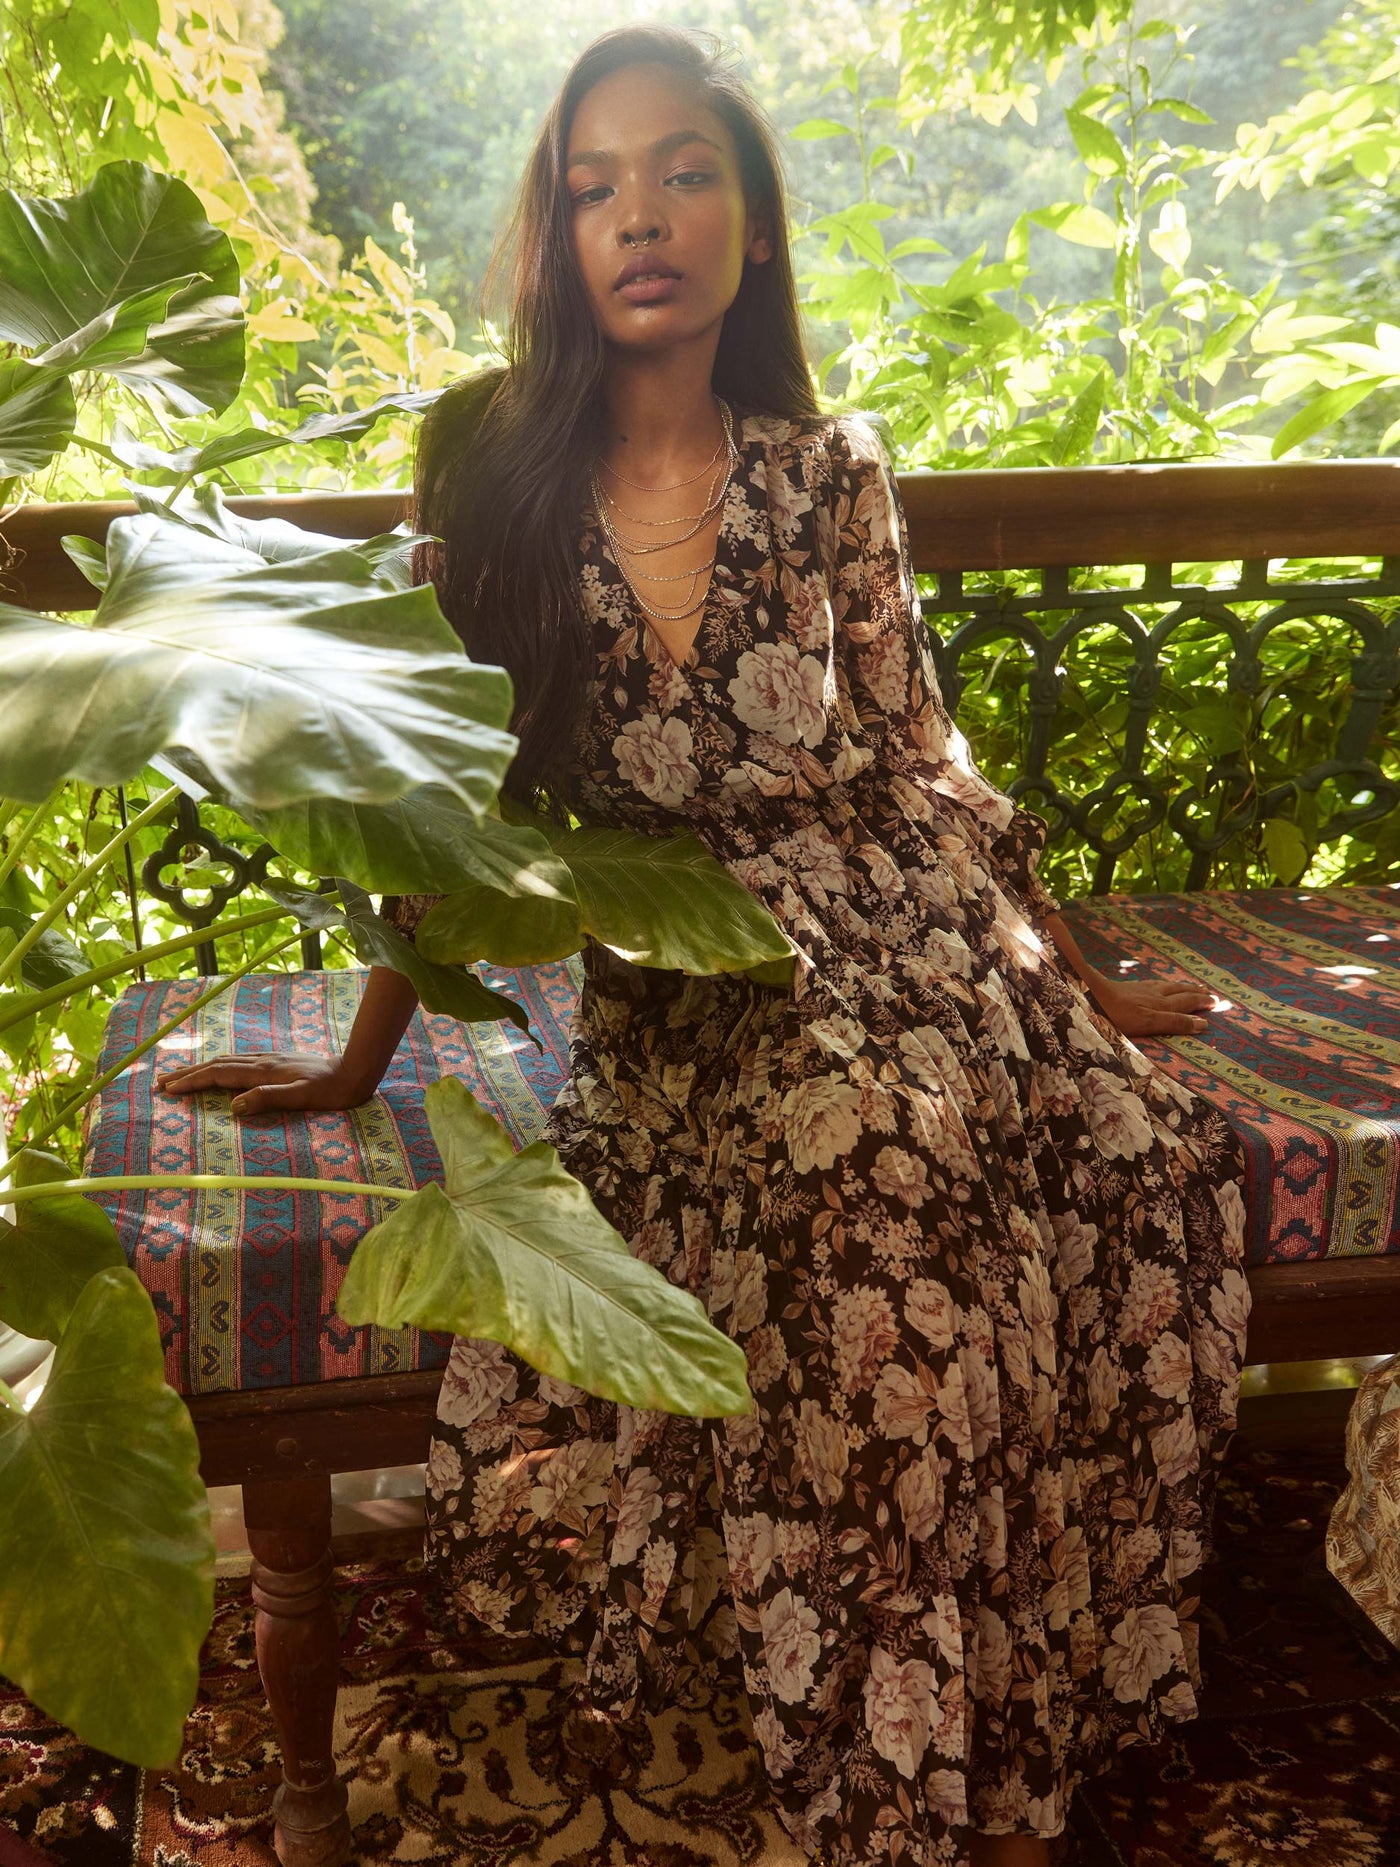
(643, 110)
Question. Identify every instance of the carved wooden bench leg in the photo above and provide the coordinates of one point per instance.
(289, 1533)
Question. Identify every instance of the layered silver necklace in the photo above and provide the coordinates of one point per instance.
(721, 466)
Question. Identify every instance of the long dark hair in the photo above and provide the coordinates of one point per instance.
(504, 456)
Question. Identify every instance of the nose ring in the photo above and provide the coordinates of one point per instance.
(632, 240)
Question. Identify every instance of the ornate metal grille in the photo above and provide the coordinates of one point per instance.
(1158, 790)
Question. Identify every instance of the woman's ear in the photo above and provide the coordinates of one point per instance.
(760, 242)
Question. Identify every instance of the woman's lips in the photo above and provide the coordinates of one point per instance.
(646, 291)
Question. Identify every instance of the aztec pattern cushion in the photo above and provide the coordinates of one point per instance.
(1304, 1059)
(245, 1284)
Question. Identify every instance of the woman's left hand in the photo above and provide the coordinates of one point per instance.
(1152, 1007)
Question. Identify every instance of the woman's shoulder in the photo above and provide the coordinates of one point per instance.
(831, 442)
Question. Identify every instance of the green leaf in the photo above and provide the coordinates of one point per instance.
(245, 443)
(52, 959)
(37, 415)
(106, 1555)
(303, 679)
(534, 917)
(1178, 106)
(447, 989)
(89, 556)
(1170, 240)
(1075, 437)
(49, 1251)
(511, 1249)
(1085, 226)
(1286, 849)
(1319, 414)
(665, 901)
(1100, 149)
(117, 334)
(67, 262)
(818, 129)
(919, 245)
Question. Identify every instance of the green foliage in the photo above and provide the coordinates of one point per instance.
(510, 1248)
(50, 1251)
(657, 901)
(106, 1554)
(297, 679)
(973, 53)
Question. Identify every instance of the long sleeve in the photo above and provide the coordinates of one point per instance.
(404, 913)
(884, 647)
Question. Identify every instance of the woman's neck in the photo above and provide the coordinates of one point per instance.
(660, 414)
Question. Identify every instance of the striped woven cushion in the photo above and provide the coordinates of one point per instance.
(245, 1284)
(1304, 1060)
(1305, 1057)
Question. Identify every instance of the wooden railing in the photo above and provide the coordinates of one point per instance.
(1030, 561)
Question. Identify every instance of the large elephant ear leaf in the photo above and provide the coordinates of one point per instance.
(310, 678)
(106, 1554)
(512, 1249)
(37, 415)
(50, 1250)
(666, 901)
(67, 262)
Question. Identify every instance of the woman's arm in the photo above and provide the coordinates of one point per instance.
(283, 1081)
(1139, 1007)
(894, 687)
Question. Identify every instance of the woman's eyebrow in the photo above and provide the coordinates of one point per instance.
(663, 146)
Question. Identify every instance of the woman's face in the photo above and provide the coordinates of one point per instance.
(653, 175)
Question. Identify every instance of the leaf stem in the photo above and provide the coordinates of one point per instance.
(10, 1398)
(15, 958)
(21, 839)
(34, 1002)
(213, 1182)
(99, 1083)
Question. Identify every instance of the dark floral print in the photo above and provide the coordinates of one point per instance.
(985, 1263)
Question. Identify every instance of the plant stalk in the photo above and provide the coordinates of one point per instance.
(34, 1002)
(10, 1398)
(21, 839)
(213, 1182)
(99, 1083)
(15, 958)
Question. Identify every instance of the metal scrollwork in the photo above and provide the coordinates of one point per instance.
(1206, 812)
(187, 839)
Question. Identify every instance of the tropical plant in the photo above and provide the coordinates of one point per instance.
(968, 366)
(308, 688)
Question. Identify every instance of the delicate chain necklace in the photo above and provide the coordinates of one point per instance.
(697, 521)
(638, 547)
(674, 486)
(635, 548)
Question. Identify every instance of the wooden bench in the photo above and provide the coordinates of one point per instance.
(282, 1442)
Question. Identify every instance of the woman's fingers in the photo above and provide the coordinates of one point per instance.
(217, 1073)
(1172, 1024)
(265, 1098)
(231, 1073)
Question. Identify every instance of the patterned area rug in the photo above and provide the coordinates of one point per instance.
(458, 1756)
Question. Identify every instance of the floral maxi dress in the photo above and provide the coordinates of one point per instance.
(985, 1263)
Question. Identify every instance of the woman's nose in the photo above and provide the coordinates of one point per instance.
(641, 216)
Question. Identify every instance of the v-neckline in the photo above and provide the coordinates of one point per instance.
(683, 667)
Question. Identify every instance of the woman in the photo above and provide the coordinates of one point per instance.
(984, 1263)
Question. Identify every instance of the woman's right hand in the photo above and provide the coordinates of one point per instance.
(267, 1082)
